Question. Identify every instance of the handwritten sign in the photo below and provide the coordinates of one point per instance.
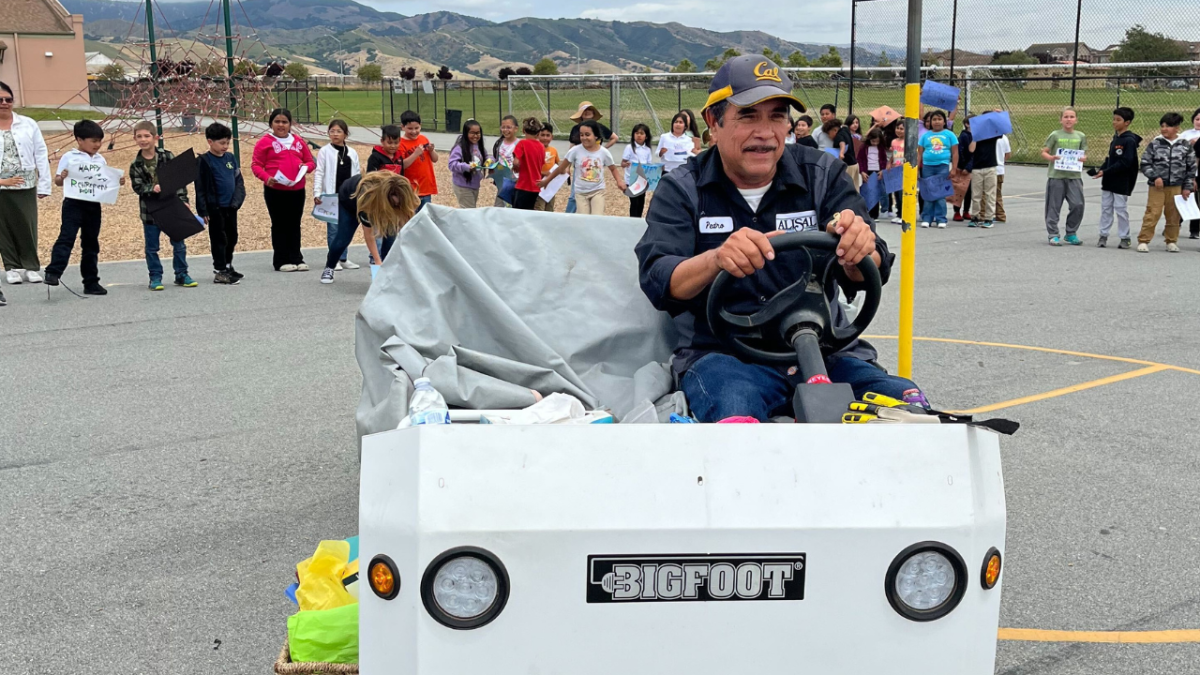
(92, 182)
(1069, 160)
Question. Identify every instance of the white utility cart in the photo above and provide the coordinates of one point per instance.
(693, 549)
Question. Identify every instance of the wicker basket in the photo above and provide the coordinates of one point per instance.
(285, 666)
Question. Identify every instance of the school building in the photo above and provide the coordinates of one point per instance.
(41, 53)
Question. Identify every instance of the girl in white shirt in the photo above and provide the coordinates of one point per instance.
(337, 163)
(637, 152)
(675, 148)
(504, 148)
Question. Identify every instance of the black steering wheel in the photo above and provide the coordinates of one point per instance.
(802, 305)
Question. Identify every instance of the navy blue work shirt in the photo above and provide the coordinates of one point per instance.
(696, 207)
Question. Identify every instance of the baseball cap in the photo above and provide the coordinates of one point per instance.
(749, 80)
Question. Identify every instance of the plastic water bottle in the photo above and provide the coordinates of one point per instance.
(428, 406)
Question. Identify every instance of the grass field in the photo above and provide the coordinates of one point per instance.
(1035, 112)
(40, 114)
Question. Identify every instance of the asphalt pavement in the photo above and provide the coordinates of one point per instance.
(166, 458)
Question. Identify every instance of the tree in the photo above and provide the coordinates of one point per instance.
(884, 61)
(113, 72)
(444, 73)
(296, 71)
(773, 55)
(1012, 59)
(273, 70)
(210, 68)
(684, 66)
(524, 71)
(429, 75)
(545, 67)
(505, 72)
(1141, 45)
(370, 73)
(797, 60)
(408, 73)
(830, 59)
(245, 69)
(718, 61)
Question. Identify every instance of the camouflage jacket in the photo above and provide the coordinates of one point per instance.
(143, 178)
(1174, 163)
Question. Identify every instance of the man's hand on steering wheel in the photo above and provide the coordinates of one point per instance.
(745, 251)
(857, 242)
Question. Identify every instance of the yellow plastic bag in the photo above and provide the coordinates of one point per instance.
(321, 577)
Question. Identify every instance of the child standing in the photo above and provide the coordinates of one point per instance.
(965, 164)
(549, 161)
(386, 155)
(1119, 175)
(1003, 152)
(803, 130)
(503, 150)
(143, 176)
(79, 218)
(419, 157)
(675, 147)
(872, 159)
(897, 157)
(220, 192)
(466, 163)
(937, 152)
(282, 154)
(589, 160)
(1062, 184)
(336, 163)
(1193, 136)
(984, 167)
(637, 152)
(529, 155)
(1170, 164)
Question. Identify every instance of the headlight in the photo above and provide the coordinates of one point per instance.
(465, 587)
(926, 581)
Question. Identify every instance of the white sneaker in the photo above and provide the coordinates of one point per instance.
(898, 220)
(33, 277)
(301, 267)
(338, 267)
(347, 265)
(1172, 248)
(327, 276)
(1143, 248)
(287, 268)
(941, 226)
(13, 276)
(924, 223)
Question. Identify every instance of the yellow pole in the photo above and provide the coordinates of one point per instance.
(908, 240)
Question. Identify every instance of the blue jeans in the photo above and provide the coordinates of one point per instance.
(347, 225)
(152, 234)
(935, 209)
(571, 207)
(331, 237)
(719, 386)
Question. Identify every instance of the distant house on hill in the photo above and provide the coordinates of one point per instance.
(42, 54)
(961, 59)
(1059, 52)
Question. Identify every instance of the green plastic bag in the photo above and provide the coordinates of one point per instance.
(324, 635)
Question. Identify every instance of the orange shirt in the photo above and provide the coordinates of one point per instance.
(551, 159)
(420, 172)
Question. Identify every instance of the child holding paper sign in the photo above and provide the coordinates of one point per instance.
(1066, 150)
(337, 162)
(637, 152)
(1169, 163)
(281, 161)
(80, 217)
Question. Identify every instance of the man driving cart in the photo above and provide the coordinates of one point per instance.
(720, 213)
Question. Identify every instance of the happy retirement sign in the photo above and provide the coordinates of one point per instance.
(92, 182)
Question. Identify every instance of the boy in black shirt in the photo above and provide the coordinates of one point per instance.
(1118, 176)
(220, 192)
(983, 181)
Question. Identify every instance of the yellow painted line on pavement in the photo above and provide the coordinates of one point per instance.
(1149, 370)
(1046, 350)
(1108, 637)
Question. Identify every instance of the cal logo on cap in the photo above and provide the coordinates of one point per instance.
(763, 72)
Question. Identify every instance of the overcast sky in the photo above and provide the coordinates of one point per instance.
(984, 25)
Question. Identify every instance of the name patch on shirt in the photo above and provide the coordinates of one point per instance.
(803, 221)
(716, 225)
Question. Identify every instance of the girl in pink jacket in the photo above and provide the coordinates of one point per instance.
(282, 161)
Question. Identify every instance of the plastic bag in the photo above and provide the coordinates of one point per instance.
(324, 636)
(321, 577)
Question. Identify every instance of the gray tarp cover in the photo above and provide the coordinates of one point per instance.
(491, 303)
